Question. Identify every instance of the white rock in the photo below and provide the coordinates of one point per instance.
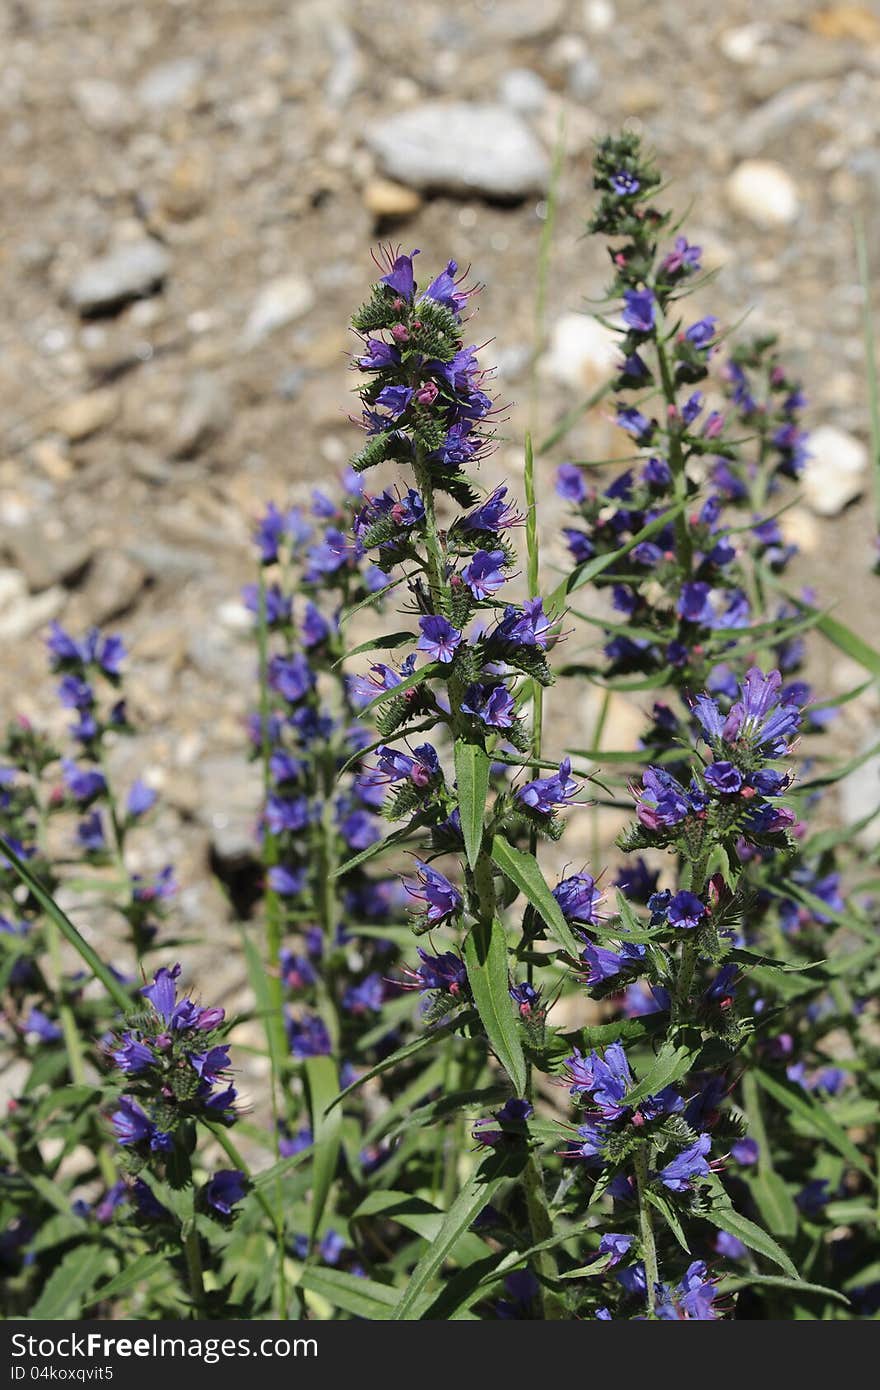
(133, 269)
(87, 414)
(20, 613)
(745, 44)
(762, 191)
(523, 90)
(461, 148)
(599, 16)
(582, 352)
(170, 83)
(278, 303)
(104, 105)
(833, 474)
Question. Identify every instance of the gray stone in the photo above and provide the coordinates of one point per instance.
(584, 79)
(114, 585)
(45, 560)
(104, 105)
(170, 84)
(204, 415)
(462, 148)
(523, 90)
(229, 806)
(278, 304)
(791, 108)
(131, 271)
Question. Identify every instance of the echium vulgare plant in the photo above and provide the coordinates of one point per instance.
(700, 605)
(498, 1082)
(331, 950)
(651, 1135)
(66, 1225)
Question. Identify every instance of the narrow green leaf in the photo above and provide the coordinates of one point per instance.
(139, 1271)
(67, 1290)
(418, 677)
(472, 781)
(817, 1119)
(524, 873)
(71, 934)
(428, 1039)
(489, 979)
(388, 643)
(666, 1210)
(669, 1066)
(477, 1193)
(591, 569)
(727, 1218)
(776, 1281)
(323, 1087)
(363, 1298)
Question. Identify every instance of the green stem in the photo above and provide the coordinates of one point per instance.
(193, 1255)
(646, 1230)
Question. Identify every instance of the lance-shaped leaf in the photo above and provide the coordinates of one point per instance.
(523, 871)
(485, 954)
(472, 781)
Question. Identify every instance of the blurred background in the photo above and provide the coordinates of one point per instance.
(190, 193)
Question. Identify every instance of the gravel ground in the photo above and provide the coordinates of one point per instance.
(189, 196)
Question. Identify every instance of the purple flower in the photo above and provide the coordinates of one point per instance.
(745, 1151)
(84, 784)
(421, 768)
(90, 834)
(570, 483)
(400, 277)
(723, 777)
(545, 794)
(278, 607)
(444, 291)
(131, 1055)
(441, 898)
(211, 1065)
(38, 1025)
(607, 965)
(663, 801)
(141, 799)
(682, 257)
(616, 1246)
(624, 183)
(292, 677)
(729, 1246)
(366, 997)
(283, 814)
(315, 627)
(638, 313)
(685, 910)
(702, 332)
(697, 1292)
(394, 399)
(445, 972)
(485, 575)
(439, 638)
(307, 1036)
(689, 1164)
(635, 423)
(578, 898)
(528, 626)
(133, 1126)
(358, 830)
(287, 882)
(492, 704)
(224, 1189)
(495, 514)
